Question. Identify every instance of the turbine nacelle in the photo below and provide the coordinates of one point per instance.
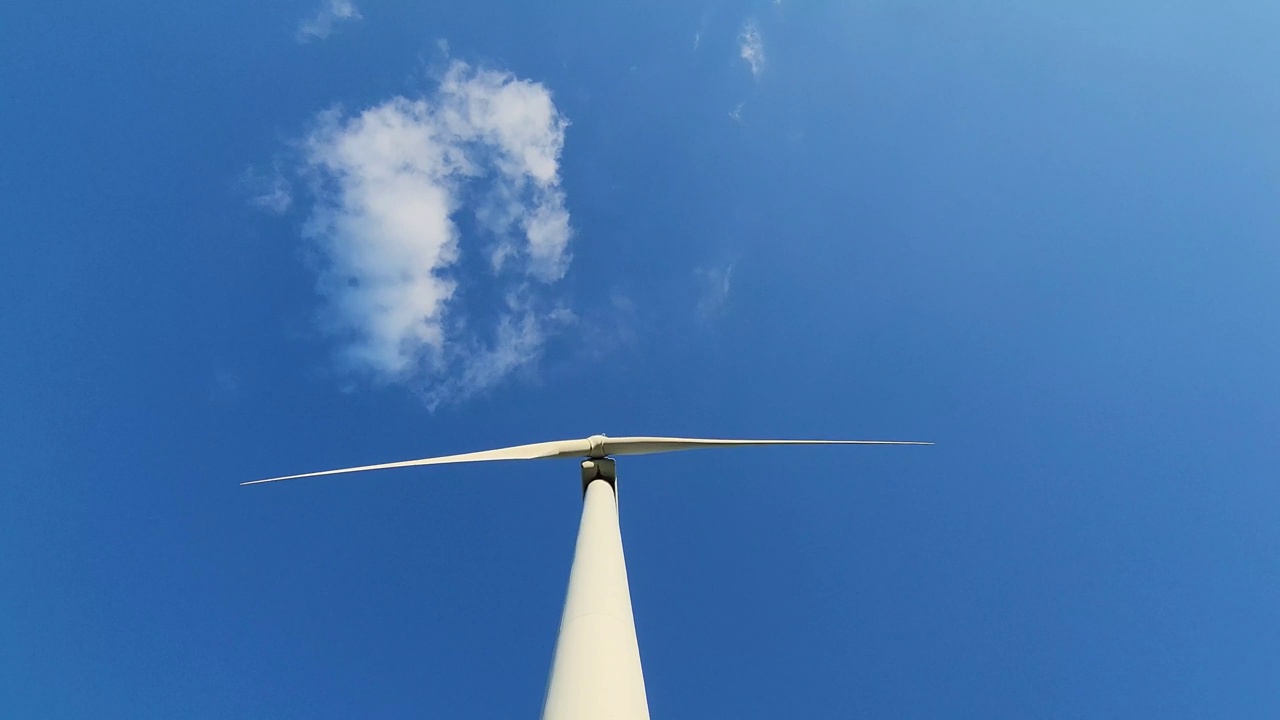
(599, 469)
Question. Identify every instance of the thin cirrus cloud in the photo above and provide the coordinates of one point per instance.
(268, 191)
(330, 13)
(714, 292)
(390, 182)
(751, 47)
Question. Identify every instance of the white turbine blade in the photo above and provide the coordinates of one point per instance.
(536, 451)
(650, 445)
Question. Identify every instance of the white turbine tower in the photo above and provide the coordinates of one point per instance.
(595, 674)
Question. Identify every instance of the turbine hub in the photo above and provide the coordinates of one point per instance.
(597, 446)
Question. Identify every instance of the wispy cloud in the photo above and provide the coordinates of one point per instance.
(390, 182)
(225, 387)
(714, 291)
(736, 113)
(269, 191)
(330, 13)
(751, 47)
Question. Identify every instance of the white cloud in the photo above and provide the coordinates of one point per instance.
(391, 181)
(736, 113)
(751, 47)
(330, 13)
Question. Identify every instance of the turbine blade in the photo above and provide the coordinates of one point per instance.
(595, 446)
(536, 451)
(650, 445)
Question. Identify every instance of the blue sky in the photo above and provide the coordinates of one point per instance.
(1044, 237)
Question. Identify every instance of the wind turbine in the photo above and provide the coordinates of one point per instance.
(595, 673)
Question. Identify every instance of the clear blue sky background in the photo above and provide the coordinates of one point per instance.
(1044, 236)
